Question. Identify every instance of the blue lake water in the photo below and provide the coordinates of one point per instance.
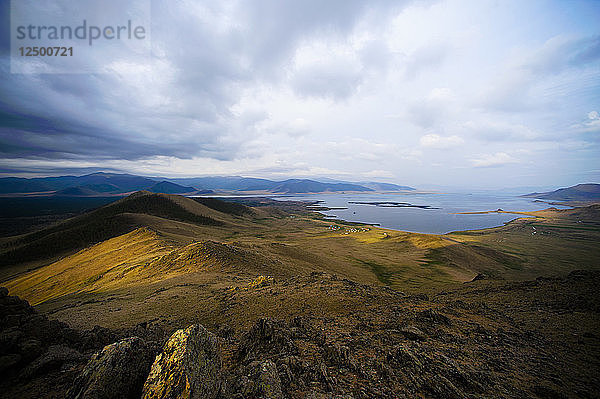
(440, 218)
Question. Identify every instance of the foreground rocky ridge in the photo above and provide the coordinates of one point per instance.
(485, 339)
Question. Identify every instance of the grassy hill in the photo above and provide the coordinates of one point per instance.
(109, 221)
(236, 241)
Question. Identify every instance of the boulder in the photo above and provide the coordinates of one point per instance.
(117, 371)
(188, 367)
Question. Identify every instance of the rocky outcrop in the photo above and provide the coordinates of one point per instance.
(54, 358)
(30, 344)
(188, 367)
(478, 277)
(261, 381)
(266, 336)
(472, 342)
(117, 371)
(35, 351)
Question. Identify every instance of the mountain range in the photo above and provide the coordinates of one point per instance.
(108, 184)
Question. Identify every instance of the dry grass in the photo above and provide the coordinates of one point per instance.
(168, 266)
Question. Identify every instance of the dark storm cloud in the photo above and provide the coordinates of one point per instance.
(206, 61)
(24, 135)
(318, 87)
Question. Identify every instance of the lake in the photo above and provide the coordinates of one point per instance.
(436, 213)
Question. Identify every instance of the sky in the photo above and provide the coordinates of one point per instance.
(454, 93)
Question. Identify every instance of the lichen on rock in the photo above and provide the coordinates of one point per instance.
(188, 367)
(117, 371)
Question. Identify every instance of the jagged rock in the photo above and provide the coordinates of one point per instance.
(480, 276)
(188, 366)
(339, 355)
(266, 336)
(582, 274)
(404, 357)
(53, 359)
(30, 349)
(13, 320)
(320, 395)
(117, 371)
(8, 362)
(431, 315)
(440, 387)
(97, 337)
(323, 375)
(225, 331)
(9, 340)
(546, 392)
(14, 305)
(262, 381)
(413, 333)
(293, 370)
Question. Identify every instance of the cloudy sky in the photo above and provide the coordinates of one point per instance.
(455, 93)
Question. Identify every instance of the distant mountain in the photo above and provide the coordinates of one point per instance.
(21, 185)
(299, 186)
(230, 183)
(580, 192)
(385, 186)
(124, 183)
(290, 186)
(98, 184)
(170, 188)
(88, 190)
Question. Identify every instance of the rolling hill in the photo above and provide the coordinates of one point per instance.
(88, 190)
(141, 209)
(580, 192)
(171, 188)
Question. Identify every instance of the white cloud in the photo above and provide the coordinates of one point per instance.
(590, 124)
(493, 130)
(379, 174)
(442, 142)
(493, 160)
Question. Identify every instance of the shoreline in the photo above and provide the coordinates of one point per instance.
(518, 215)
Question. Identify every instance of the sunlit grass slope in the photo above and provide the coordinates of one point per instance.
(170, 258)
